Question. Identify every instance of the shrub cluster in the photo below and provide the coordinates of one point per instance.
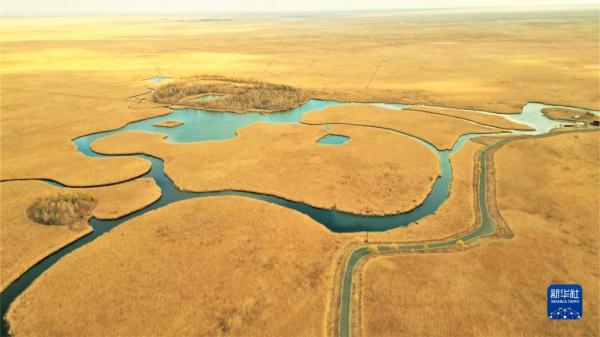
(62, 209)
(237, 94)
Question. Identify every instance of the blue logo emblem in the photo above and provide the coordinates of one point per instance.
(565, 301)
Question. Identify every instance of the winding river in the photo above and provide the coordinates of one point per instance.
(202, 125)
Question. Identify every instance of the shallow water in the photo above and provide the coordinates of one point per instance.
(333, 139)
(532, 115)
(158, 79)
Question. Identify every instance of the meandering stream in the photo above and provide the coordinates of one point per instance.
(202, 125)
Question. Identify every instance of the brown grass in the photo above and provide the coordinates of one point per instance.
(62, 208)
(238, 95)
(36, 135)
(456, 215)
(441, 131)
(566, 114)
(547, 190)
(168, 124)
(225, 266)
(285, 160)
(24, 242)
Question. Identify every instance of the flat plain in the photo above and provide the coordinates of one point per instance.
(24, 242)
(463, 293)
(231, 266)
(234, 266)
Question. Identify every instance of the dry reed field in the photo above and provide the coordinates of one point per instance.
(439, 130)
(168, 124)
(24, 242)
(555, 241)
(226, 266)
(233, 266)
(566, 114)
(81, 71)
(456, 215)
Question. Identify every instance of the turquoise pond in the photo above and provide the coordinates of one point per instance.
(203, 125)
(333, 139)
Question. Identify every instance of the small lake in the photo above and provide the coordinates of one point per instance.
(333, 139)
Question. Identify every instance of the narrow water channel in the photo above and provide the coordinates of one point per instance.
(202, 125)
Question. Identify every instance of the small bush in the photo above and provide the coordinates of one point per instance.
(373, 249)
(62, 209)
(460, 243)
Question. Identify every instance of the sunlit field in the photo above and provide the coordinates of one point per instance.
(353, 173)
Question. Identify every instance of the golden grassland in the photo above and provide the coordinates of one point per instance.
(79, 72)
(168, 124)
(125, 198)
(441, 131)
(43, 112)
(566, 114)
(497, 121)
(477, 59)
(237, 95)
(24, 242)
(287, 161)
(547, 191)
(65, 77)
(218, 266)
(456, 215)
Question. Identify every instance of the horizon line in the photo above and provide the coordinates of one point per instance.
(267, 12)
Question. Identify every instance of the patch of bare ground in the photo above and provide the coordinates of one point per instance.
(24, 242)
(441, 131)
(547, 191)
(218, 266)
(375, 172)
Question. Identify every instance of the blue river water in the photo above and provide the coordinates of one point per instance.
(200, 125)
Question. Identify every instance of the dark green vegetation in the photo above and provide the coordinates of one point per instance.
(62, 209)
(238, 95)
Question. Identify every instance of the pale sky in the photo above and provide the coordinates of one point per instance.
(57, 7)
